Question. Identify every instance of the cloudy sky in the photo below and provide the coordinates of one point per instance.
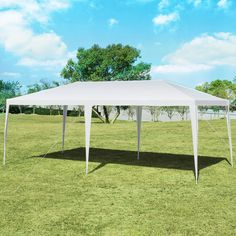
(189, 41)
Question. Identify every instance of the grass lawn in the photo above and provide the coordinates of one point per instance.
(156, 195)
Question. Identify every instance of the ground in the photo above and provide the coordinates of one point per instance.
(51, 195)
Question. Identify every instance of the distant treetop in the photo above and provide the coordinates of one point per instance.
(114, 62)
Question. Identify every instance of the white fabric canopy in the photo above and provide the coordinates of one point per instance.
(117, 93)
(157, 93)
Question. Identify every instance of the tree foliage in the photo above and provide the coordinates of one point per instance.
(8, 90)
(42, 85)
(169, 110)
(114, 62)
(155, 112)
(220, 88)
(182, 111)
(131, 112)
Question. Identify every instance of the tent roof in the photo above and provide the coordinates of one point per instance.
(154, 92)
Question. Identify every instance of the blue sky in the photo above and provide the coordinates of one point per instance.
(188, 41)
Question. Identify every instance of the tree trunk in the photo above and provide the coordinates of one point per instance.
(95, 110)
(20, 109)
(106, 114)
(79, 112)
(117, 115)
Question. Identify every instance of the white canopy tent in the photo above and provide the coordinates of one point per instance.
(123, 93)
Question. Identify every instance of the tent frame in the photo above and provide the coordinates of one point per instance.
(88, 114)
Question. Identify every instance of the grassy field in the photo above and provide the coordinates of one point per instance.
(50, 195)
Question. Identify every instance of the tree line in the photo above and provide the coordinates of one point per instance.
(114, 62)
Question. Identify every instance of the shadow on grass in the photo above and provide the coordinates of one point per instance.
(148, 159)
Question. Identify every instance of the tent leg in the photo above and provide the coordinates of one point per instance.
(229, 135)
(64, 127)
(139, 120)
(87, 114)
(5, 134)
(194, 122)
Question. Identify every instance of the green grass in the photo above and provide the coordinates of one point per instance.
(156, 195)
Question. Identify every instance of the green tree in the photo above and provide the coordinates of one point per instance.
(170, 111)
(233, 105)
(220, 88)
(131, 111)
(114, 62)
(182, 111)
(42, 85)
(155, 112)
(8, 90)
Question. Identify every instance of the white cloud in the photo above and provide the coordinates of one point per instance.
(18, 37)
(201, 54)
(47, 63)
(223, 4)
(172, 68)
(31, 62)
(35, 10)
(163, 4)
(217, 49)
(112, 22)
(196, 3)
(165, 19)
(10, 74)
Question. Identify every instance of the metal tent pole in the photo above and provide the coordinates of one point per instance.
(5, 134)
(229, 135)
(194, 122)
(139, 121)
(64, 127)
(87, 115)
